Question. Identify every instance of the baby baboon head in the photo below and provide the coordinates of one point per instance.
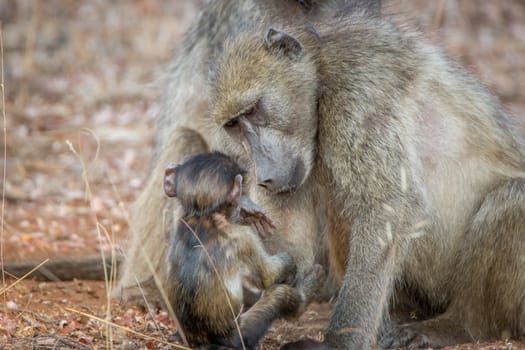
(205, 183)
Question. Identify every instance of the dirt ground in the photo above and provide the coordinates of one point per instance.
(81, 93)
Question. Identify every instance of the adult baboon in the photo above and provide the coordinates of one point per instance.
(183, 129)
(423, 173)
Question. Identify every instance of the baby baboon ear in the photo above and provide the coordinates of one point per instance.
(169, 180)
(236, 192)
(284, 43)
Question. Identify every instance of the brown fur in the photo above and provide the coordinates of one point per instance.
(184, 129)
(214, 258)
(422, 174)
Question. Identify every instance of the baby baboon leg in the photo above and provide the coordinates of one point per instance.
(278, 301)
(308, 287)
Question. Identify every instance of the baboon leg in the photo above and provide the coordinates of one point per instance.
(151, 218)
(488, 300)
(280, 300)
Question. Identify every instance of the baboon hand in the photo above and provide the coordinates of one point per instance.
(254, 216)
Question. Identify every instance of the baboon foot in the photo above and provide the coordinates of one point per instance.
(306, 344)
(434, 333)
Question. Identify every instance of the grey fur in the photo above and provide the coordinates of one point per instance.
(421, 172)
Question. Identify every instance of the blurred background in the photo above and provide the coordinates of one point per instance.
(82, 84)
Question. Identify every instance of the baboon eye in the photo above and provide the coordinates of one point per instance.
(248, 112)
(232, 123)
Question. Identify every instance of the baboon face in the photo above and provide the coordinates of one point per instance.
(264, 97)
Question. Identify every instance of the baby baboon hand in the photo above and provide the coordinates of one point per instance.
(254, 216)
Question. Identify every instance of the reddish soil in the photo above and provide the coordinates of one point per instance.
(81, 94)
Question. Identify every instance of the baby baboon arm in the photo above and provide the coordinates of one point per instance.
(267, 270)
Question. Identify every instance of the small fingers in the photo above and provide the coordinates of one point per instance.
(268, 227)
(260, 228)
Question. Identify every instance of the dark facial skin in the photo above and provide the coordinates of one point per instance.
(278, 170)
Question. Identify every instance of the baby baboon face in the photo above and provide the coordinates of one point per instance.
(265, 98)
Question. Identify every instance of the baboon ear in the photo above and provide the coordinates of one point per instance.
(236, 192)
(169, 180)
(284, 43)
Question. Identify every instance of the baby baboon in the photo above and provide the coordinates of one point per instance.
(183, 119)
(214, 257)
(423, 173)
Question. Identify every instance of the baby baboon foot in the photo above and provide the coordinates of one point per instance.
(312, 283)
(283, 298)
(425, 334)
(306, 344)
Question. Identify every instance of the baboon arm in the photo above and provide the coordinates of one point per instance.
(374, 252)
(280, 300)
